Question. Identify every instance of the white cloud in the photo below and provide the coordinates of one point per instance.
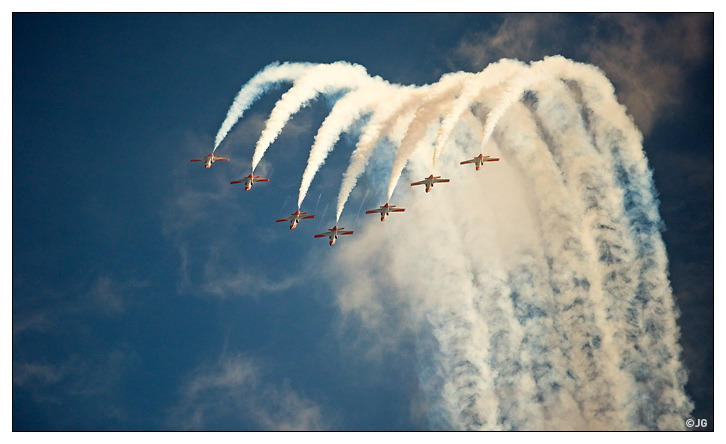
(225, 284)
(231, 394)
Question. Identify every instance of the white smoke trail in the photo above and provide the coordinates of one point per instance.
(398, 109)
(538, 292)
(491, 76)
(650, 309)
(319, 79)
(511, 95)
(272, 74)
(607, 339)
(428, 111)
(584, 186)
(344, 114)
(617, 139)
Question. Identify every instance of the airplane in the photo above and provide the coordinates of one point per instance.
(430, 181)
(295, 217)
(333, 233)
(385, 210)
(479, 160)
(250, 180)
(209, 160)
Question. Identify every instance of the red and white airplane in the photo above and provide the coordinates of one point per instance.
(430, 181)
(209, 160)
(250, 180)
(333, 233)
(479, 160)
(295, 217)
(385, 210)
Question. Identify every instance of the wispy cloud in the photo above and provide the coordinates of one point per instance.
(103, 294)
(231, 394)
(213, 261)
(27, 373)
(648, 58)
(52, 318)
(113, 295)
(91, 383)
(244, 283)
(520, 36)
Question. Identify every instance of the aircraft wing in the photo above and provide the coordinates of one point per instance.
(220, 158)
(237, 181)
(310, 216)
(468, 161)
(418, 183)
(441, 180)
(345, 232)
(284, 219)
(322, 234)
(197, 160)
(262, 180)
(398, 210)
(491, 159)
(374, 211)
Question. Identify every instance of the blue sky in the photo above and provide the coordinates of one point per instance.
(150, 294)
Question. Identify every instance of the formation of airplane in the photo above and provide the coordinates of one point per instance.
(479, 160)
(385, 210)
(296, 217)
(430, 181)
(209, 160)
(333, 234)
(250, 180)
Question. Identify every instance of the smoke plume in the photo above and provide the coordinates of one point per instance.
(537, 287)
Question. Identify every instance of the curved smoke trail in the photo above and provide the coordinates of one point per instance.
(397, 108)
(493, 75)
(319, 79)
(427, 112)
(538, 292)
(344, 114)
(269, 76)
